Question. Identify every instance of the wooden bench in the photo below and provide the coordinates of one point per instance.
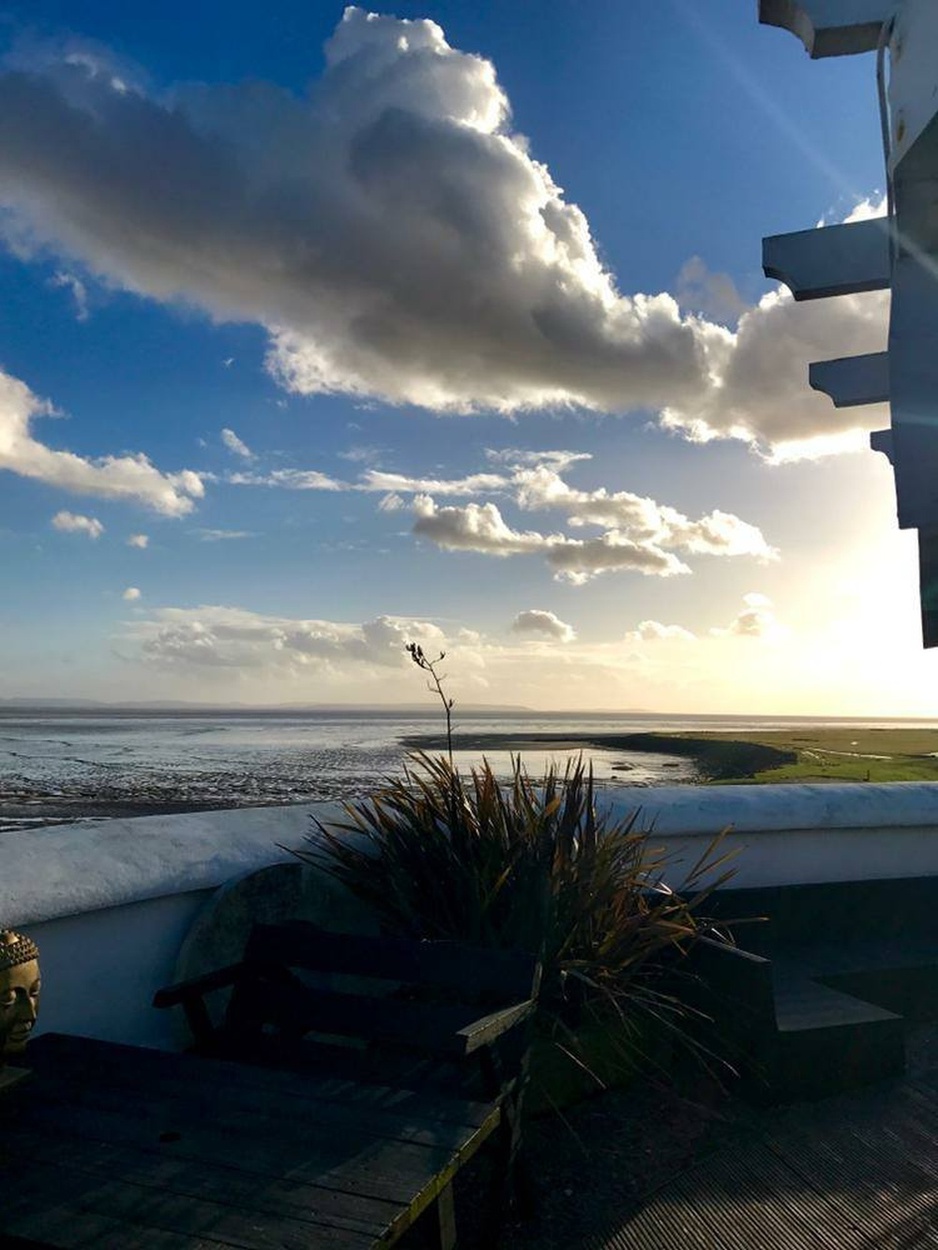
(435, 1017)
(818, 1001)
(789, 1034)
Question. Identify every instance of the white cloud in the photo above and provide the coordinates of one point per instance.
(419, 253)
(654, 631)
(236, 445)
(475, 527)
(132, 478)
(131, 594)
(718, 533)
(391, 503)
(227, 637)
(762, 394)
(640, 534)
(481, 528)
(75, 523)
(138, 540)
(541, 622)
(756, 620)
(867, 209)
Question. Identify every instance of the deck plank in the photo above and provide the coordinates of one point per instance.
(857, 1170)
(175, 1151)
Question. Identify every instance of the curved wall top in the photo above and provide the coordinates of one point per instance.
(68, 869)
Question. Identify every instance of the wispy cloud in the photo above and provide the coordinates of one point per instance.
(74, 285)
(138, 540)
(289, 479)
(217, 536)
(236, 445)
(472, 484)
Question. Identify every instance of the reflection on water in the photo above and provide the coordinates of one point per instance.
(628, 768)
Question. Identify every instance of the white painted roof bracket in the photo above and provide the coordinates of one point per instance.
(830, 27)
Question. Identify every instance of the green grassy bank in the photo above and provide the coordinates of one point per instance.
(842, 753)
(801, 753)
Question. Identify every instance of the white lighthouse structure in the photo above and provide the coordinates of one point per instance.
(899, 252)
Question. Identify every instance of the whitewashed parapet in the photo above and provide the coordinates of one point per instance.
(64, 870)
(68, 870)
(795, 834)
(112, 905)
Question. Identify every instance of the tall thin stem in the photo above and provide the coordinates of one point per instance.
(435, 686)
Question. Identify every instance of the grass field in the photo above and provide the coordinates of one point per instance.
(843, 753)
(801, 753)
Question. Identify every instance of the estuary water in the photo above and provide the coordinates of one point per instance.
(90, 765)
(70, 765)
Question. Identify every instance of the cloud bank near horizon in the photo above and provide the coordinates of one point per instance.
(398, 240)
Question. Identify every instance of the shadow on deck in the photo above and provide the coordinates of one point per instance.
(856, 1170)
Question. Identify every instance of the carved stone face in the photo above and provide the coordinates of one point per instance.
(19, 1006)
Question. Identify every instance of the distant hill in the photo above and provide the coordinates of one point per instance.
(273, 709)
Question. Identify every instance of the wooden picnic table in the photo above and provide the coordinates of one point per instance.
(110, 1145)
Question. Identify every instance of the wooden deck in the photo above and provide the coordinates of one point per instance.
(859, 1170)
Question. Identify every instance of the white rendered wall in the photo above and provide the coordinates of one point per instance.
(794, 834)
(100, 970)
(913, 79)
(110, 904)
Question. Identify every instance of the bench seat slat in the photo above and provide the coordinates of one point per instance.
(430, 1028)
(449, 966)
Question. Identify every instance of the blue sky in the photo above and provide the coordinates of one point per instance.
(322, 332)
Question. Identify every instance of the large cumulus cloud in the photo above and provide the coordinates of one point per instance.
(394, 235)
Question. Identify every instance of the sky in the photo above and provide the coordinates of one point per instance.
(324, 331)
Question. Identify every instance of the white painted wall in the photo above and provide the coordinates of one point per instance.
(913, 77)
(100, 970)
(110, 905)
(795, 833)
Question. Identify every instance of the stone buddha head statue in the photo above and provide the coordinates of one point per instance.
(19, 991)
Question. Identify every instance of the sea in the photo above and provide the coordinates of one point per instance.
(86, 765)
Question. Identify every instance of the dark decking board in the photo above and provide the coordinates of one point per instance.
(228, 1077)
(119, 1146)
(858, 1170)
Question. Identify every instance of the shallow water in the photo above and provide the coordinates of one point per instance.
(60, 766)
(91, 765)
